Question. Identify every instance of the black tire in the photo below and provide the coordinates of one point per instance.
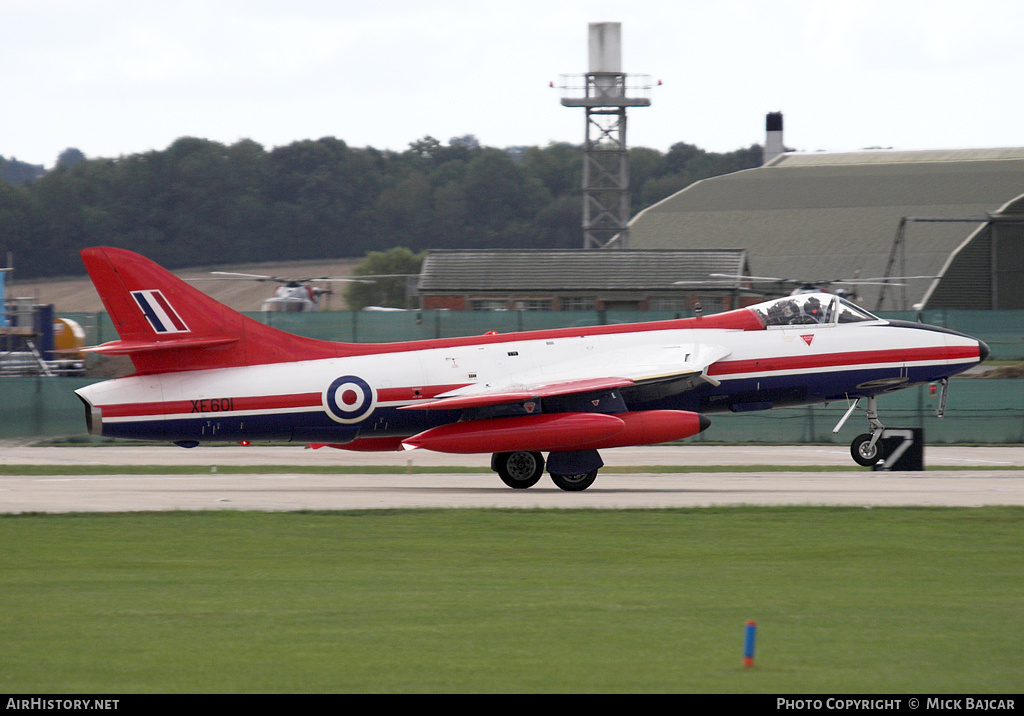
(519, 470)
(863, 452)
(574, 483)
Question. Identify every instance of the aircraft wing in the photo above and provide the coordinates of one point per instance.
(646, 372)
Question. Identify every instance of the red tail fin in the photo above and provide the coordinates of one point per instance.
(167, 325)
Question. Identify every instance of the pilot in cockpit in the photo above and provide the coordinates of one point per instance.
(814, 310)
(781, 312)
(809, 309)
(795, 311)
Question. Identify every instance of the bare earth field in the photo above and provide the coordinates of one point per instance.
(77, 295)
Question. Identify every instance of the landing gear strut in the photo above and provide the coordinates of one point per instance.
(864, 448)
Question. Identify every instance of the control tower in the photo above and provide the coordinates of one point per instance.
(604, 93)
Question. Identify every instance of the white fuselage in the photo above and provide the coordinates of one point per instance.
(338, 399)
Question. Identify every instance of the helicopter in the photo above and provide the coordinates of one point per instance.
(294, 295)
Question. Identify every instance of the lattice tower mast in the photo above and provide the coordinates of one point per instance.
(604, 94)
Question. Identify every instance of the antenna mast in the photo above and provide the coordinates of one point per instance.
(603, 93)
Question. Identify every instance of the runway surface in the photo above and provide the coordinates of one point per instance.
(974, 476)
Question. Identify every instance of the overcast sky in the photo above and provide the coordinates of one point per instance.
(116, 77)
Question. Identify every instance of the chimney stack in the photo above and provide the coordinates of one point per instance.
(773, 146)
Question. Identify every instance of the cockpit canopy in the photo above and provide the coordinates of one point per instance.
(810, 309)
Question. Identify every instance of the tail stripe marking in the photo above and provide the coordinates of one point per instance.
(159, 312)
(171, 313)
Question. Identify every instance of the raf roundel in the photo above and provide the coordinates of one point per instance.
(349, 399)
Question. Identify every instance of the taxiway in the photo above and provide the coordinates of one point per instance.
(957, 476)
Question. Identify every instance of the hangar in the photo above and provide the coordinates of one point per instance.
(582, 280)
(953, 218)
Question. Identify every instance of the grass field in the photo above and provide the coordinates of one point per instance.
(847, 600)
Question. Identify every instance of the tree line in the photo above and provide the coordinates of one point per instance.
(200, 202)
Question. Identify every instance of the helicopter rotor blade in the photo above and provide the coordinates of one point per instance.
(233, 276)
(875, 281)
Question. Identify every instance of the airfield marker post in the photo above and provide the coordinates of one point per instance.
(749, 638)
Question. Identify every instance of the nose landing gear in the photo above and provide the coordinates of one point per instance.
(895, 448)
(864, 449)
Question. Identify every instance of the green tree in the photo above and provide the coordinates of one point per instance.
(19, 229)
(18, 172)
(559, 166)
(70, 157)
(499, 193)
(390, 272)
(202, 202)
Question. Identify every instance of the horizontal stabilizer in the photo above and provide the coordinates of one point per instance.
(123, 348)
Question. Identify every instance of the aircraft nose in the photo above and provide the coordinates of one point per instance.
(982, 351)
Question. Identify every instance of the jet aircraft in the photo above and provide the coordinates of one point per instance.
(207, 373)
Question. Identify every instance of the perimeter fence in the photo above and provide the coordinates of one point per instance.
(1003, 331)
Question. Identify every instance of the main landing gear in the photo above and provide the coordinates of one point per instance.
(520, 470)
(574, 483)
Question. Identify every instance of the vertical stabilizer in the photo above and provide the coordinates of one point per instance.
(167, 325)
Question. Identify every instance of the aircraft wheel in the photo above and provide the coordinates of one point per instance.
(519, 470)
(574, 483)
(863, 452)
